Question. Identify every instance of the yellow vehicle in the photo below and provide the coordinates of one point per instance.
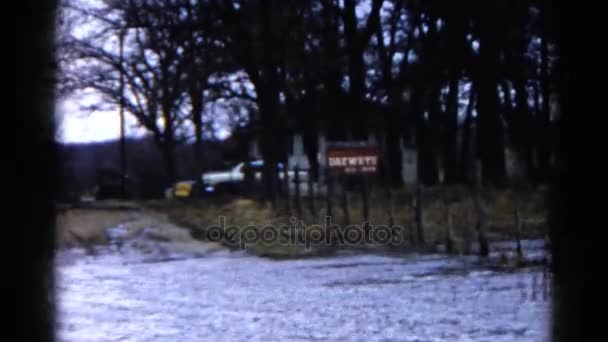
(184, 189)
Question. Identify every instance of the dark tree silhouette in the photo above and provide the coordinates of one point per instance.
(344, 68)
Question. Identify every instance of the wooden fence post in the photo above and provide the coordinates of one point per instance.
(419, 218)
(287, 192)
(389, 183)
(520, 253)
(484, 249)
(365, 198)
(345, 204)
(449, 237)
(329, 194)
(297, 190)
(311, 195)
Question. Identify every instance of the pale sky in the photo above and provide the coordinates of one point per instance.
(75, 125)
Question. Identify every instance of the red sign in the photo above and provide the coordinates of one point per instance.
(352, 158)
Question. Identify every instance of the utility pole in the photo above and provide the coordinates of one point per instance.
(123, 150)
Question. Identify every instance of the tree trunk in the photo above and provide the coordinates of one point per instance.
(427, 163)
(451, 134)
(358, 120)
(393, 150)
(543, 128)
(168, 143)
(465, 156)
(524, 119)
(356, 72)
(428, 109)
(197, 112)
(433, 134)
(490, 131)
(332, 74)
(456, 27)
(267, 89)
(270, 130)
(168, 152)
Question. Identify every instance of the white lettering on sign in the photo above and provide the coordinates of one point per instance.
(353, 161)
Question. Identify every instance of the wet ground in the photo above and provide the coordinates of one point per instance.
(152, 290)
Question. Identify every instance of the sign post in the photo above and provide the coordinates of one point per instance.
(356, 159)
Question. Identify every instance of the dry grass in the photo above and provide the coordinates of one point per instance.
(87, 228)
(164, 229)
(239, 212)
(499, 205)
(87, 225)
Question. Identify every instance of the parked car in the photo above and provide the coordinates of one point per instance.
(233, 179)
(185, 189)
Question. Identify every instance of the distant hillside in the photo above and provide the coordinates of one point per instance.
(80, 163)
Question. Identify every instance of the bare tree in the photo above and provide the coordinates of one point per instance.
(152, 67)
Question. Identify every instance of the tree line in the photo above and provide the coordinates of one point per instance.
(461, 80)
